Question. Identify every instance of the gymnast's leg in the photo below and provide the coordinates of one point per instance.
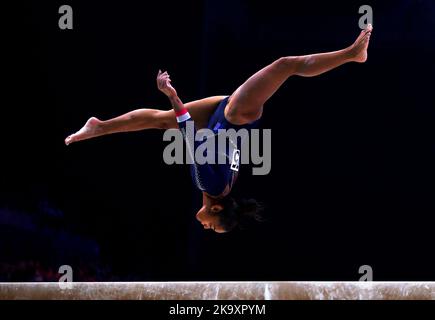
(141, 119)
(246, 103)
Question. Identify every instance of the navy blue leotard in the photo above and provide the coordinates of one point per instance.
(214, 178)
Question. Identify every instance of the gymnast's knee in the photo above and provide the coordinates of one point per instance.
(245, 117)
(289, 64)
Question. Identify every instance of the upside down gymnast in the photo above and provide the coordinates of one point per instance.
(221, 212)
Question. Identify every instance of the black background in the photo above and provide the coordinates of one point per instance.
(352, 180)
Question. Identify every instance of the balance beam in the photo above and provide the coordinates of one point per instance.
(219, 291)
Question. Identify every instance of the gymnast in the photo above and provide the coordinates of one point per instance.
(221, 212)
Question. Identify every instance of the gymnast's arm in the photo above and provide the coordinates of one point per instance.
(214, 181)
(164, 85)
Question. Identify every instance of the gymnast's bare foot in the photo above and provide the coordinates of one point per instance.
(358, 49)
(91, 129)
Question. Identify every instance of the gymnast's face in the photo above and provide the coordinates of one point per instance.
(208, 216)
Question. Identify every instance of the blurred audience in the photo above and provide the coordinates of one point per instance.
(34, 271)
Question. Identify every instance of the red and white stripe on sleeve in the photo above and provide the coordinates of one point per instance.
(182, 115)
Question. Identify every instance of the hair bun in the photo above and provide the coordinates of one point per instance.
(240, 212)
(250, 210)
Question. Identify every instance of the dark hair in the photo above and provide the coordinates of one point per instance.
(239, 213)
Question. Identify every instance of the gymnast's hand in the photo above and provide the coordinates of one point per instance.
(164, 84)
